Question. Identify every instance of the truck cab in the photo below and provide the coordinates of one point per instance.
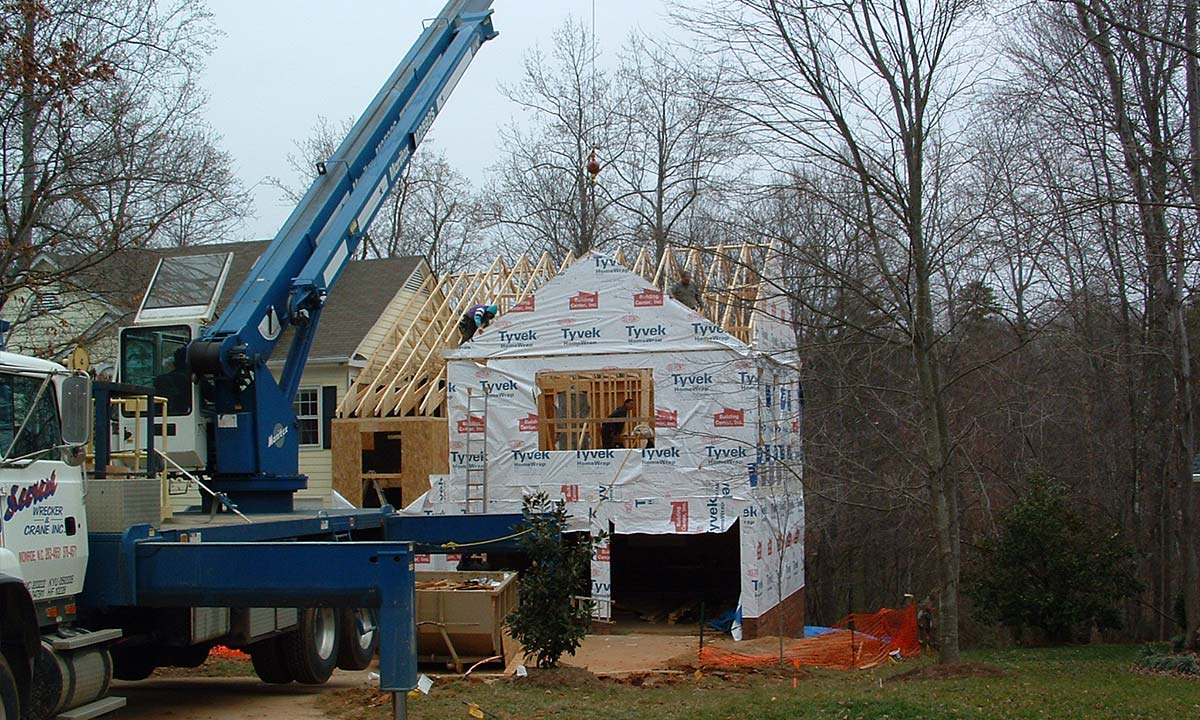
(180, 303)
(45, 420)
(43, 526)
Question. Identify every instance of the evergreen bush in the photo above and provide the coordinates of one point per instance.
(547, 622)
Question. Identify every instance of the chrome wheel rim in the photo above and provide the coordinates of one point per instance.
(364, 624)
(324, 632)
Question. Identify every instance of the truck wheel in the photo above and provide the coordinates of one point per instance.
(134, 663)
(311, 650)
(267, 658)
(50, 686)
(359, 637)
(10, 703)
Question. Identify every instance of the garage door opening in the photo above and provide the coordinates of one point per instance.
(663, 582)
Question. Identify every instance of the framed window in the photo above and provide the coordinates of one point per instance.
(157, 357)
(574, 409)
(308, 415)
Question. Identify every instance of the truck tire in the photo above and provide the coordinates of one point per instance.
(311, 650)
(267, 658)
(10, 701)
(360, 638)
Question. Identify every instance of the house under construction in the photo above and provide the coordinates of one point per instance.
(698, 487)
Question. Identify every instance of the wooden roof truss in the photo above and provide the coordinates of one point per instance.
(406, 374)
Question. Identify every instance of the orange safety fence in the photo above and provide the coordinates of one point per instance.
(857, 642)
(227, 653)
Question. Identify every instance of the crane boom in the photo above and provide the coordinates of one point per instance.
(254, 458)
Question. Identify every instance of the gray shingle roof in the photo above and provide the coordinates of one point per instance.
(361, 295)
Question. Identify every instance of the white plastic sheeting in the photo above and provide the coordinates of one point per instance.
(597, 306)
(727, 435)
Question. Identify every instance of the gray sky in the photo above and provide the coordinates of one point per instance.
(281, 64)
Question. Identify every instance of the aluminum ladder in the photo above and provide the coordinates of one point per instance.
(477, 490)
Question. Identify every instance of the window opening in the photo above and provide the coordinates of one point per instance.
(574, 408)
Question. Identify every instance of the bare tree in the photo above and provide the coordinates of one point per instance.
(1142, 77)
(104, 144)
(432, 212)
(545, 199)
(866, 89)
(681, 140)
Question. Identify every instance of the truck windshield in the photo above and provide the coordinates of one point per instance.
(19, 400)
(156, 357)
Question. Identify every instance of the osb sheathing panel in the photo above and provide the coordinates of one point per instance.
(347, 460)
(425, 444)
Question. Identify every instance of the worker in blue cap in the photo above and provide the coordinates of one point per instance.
(476, 318)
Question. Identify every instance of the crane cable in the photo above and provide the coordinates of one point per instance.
(455, 545)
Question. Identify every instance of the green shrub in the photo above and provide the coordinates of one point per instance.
(1161, 659)
(546, 622)
(1052, 568)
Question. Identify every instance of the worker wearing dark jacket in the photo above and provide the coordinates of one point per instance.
(475, 318)
(685, 291)
(610, 432)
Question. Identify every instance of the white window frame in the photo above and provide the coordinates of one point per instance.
(202, 313)
(315, 389)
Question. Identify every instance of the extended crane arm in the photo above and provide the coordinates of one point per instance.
(289, 283)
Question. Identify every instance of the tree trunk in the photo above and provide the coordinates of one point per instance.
(943, 500)
(1187, 430)
(940, 481)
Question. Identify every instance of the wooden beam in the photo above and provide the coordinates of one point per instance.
(405, 374)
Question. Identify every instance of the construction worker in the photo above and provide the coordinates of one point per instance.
(685, 291)
(473, 561)
(926, 623)
(610, 432)
(476, 318)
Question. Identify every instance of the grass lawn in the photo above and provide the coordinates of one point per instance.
(1058, 683)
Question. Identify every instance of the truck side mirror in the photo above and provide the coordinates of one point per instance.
(75, 408)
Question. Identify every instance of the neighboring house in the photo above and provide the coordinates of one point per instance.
(369, 297)
(50, 317)
(699, 492)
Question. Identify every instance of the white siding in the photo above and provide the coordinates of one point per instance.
(316, 462)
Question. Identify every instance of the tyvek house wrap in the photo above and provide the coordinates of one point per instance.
(728, 422)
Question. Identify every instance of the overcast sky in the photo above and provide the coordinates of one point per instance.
(281, 64)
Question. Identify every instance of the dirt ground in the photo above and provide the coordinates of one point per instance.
(203, 698)
(199, 698)
(617, 654)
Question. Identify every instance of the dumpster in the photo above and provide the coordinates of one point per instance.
(460, 616)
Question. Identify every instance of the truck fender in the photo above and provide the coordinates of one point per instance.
(9, 565)
(19, 634)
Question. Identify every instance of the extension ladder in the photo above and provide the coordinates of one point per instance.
(477, 490)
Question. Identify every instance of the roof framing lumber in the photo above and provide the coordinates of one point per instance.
(406, 374)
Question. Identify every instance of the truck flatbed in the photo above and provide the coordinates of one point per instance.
(227, 527)
(114, 556)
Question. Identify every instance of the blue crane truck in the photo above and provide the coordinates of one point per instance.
(96, 582)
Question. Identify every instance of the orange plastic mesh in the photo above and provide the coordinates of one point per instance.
(859, 641)
(220, 651)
